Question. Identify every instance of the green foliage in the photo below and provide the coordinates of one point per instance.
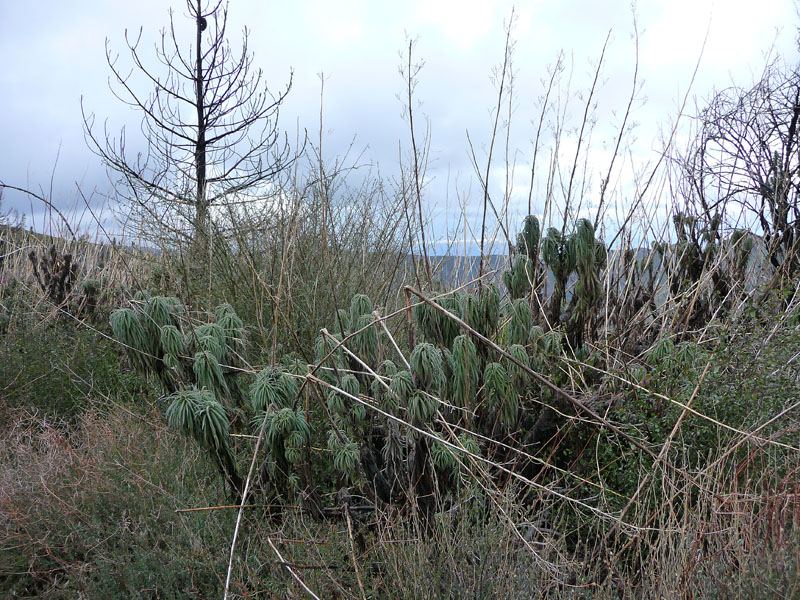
(386, 399)
(208, 372)
(365, 343)
(360, 305)
(520, 321)
(322, 347)
(344, 452)
(402, 385)
(197, 414)
(427, 367)
(500, 395)
(558, 253)
(272, 386)
(519, 378)
(172, 341)
(436, 327)
(421, 407)
(128, 330)
(60, 370)
(465, 367)
(489, 310)
(338, 402)
(519, 279)
(528, 240)
(443, 457)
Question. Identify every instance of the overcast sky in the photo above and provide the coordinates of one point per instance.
(53, 54)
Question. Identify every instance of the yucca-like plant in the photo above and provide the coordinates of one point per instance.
(402, 386)
(489, 303)
(213, 426)
(344, 319)
(323, 345)
(360, 305)
(365, 343)
(519, 278)
(436, 327)
(181, 413)
(172, 341)
(345, 454)
(208, 373)
(295, 443)
(500, 394)
(272, 386)
(287, 434)
(590, 260)
(387, 400)
(173, 345)
(223, 309)
(198, 415)
(465, 366)
(426, 365)
(128, 330)
(520, 323)
(443, 457)
(212, 345)
(212, 330)
(421, 407)
(338, 402)
(530, 236)
(558, 253)
(233, 334)
(157, 312)
(519, 377)
(551, 344)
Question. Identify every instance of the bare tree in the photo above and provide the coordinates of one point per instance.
(746, 154)
(210, 123)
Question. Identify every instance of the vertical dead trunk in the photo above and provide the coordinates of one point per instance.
(201, 203)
